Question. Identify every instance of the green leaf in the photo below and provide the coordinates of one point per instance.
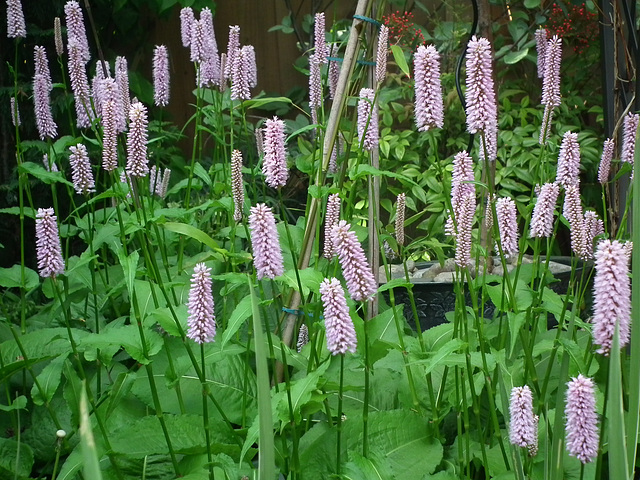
(193, 232)
(120, 389)
(371, 468)
(440, 356)
(261, 102)
(12, 278)
(300, 393)
(18, 404)
(514, 57)
(531, 3)
(618, 466)
(127, 337)
(395, 283)
(238, 317)
(40, 173)
(201, 173)
(187, 436)
(15, 458)
(166, 320)
(310, 279)
(398, 55)
(266, 461)
(49, 381)
(516, 320)
(91, 468)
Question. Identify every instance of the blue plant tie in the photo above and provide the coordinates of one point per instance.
(300, 313)
(368, 19)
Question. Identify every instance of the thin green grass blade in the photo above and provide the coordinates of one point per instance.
(618, 467)
(90, 460)
(633, 421)
(266, 455)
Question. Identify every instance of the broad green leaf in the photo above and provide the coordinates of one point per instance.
(12, 278)
(193, 232)
(201, 173)
(373, 467)
(300, 393)
(395, 283)
(48, 380)
(129, 265)
(28, 212)
(310, 279)
(187, 437)
(383, 327)
(398, 55)
(40, 173)
(440, 356)
(15, 458)
(166, 320)
(516, 320)
(618, 463)
(238, 317)
(39, 344)
(531, 3)
(514, 57)
(120, 389)
(128, 337)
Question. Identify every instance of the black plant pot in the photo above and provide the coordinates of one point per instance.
(435, 299)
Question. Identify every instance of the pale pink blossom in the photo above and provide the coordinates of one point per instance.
(341, 334)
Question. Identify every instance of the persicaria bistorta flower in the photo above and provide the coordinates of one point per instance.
(330, 220)
(461, 177)
(15, 113)
(82, 175)
(523, 423)
(605, 161)
(233, 47)
(334, 72)
(465, 210)
(542, 217)
(201, 320)
(572, 211)
(15, 20)
(481, 108)
(186, 22)
(274, 164)
(267, 255)
(341, 335)
(629, 132)
(367, 120)
(237, 185)
(568, 160)
(57, 36)
(48, 248)
(75, 29)
(321, 51)
(244, 73)
(315, 88)
(41, 64)
(356, 270)
(582, 419)
(551, 78)
(381, 55)
(303, 337)
(593, 227)
(400, 207)
(137, 163)
(109, 137)
(122, 79)
(429, 107)
(79, 84)
(161, 76)
(44, 118)
(541, 49)
(612, 295)
(507, 225)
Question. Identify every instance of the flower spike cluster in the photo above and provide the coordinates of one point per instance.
(568, 160)
(400, 208)
(582, 419)
(542, 217)
(341, 335)
(361, 283)
(201, 320)
(161, 76)
(367, 120)
(48, 248)
(629, 132)
(523, 430)
(82, 175)
(137, 162)
(605, 161)
(541, 49)
(16, 27)
(330, 220)
(267, 255)
(429, 105)
(274, 165)
(612, 296)
(507, 225)
(381, 54)
(75, 29)
(236, 184)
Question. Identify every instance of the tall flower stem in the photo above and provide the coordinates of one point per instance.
(205, 412)
(339, 417)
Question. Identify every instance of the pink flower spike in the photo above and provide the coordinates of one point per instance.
(267, 255)
(201, 320)
(551, 78)
(465, 209)
(122, 79)
(82, 175)
(331, 219)
(568, 160)
(381, 56)
(429, 107)
(341, 335)
(400, 208)
(361, 283)
(542, 217)
(16, 27)
(612, 295)
(75, 29)
(482, 112)
(506, 215)
(523, 424)
(137, 162)
(48, 248)
(321, 51)
(237, 186)
(629, 132)
(605, 161)
(233, 48)
(15, 113)
(57, 36)
(274, 164)
(315, 88)
(541, 48)
(243, 74)
(572, 211)
(44, 119)
(161, 76)
(582, 419)
(186, 23)
(367, 120)
(79, 84)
